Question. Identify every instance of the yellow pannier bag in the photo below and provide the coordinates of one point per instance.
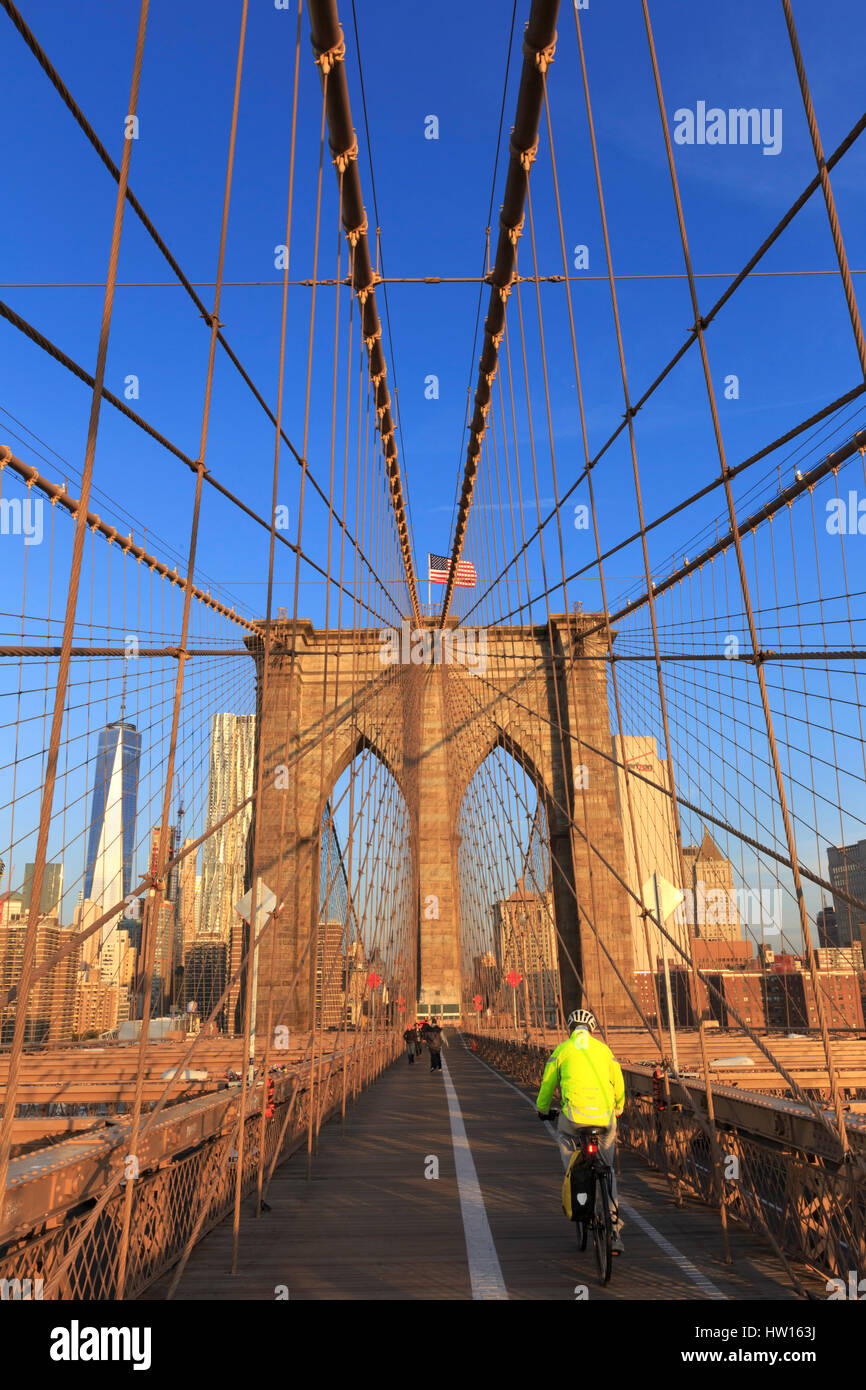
(577, 1189)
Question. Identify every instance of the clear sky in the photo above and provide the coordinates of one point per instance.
(787, 340)
(790, 344)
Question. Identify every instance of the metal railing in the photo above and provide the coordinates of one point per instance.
(191, 1192)
(811, 1208)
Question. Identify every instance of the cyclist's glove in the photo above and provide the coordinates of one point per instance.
(550, 1115)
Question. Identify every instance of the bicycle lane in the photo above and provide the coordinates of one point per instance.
(671, 1252)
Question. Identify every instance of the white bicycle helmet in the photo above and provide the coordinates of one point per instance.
(582, 1018)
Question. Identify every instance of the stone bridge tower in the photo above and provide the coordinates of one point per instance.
(324, 701)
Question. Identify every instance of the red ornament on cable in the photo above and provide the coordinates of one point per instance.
(513, 979)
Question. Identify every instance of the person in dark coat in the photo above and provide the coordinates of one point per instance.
(436, 1039)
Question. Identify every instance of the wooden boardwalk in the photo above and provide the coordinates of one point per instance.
(370, 1225)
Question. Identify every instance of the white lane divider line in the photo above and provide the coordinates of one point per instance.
(690, 1270)
(485, 1272)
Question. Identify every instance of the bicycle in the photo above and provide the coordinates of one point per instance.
(601, 1201)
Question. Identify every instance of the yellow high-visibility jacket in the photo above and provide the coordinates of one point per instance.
(589, 1078)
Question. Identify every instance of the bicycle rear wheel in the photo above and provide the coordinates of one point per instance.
(602, 1229)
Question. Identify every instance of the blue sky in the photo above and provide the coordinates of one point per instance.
(789, 344)
(788, 340)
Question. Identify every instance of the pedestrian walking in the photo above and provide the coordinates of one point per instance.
(436, 1039)
(411, 1045)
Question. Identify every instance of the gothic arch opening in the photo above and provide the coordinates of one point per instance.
(366, 947)
(508, 940)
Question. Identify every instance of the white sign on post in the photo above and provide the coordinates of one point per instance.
(266, 901)
(669, 896)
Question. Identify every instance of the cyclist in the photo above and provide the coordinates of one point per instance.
(593, 1095)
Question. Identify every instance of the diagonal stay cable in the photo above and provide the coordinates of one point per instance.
(94, 524)
(853, 134)
(829, 464)
(838, 404)
(57, 353)
(82, 121)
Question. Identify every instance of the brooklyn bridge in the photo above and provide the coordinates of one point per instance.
(290, 768)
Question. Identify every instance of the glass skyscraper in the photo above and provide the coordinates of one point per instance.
(847, 866)
(111, 839)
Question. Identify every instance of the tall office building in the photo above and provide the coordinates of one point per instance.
(52, 891)
(330, 975)
(51, 1003)
(333, 884)
(828, 927)
(50, 1008)
(98, 1006)
(847, 866)
(84, 915)
(10, 908)
(204, 978)
(711, 898)
(224, 853)
(526, 941)
(111, 838)
(168, 947)
(840, 957)
(187, 900)
(655, 834)
(167, 960)
(116, 969)
(232, 747)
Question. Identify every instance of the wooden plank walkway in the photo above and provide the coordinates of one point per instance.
(370, 1225)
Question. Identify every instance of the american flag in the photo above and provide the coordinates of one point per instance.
(439, 567)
